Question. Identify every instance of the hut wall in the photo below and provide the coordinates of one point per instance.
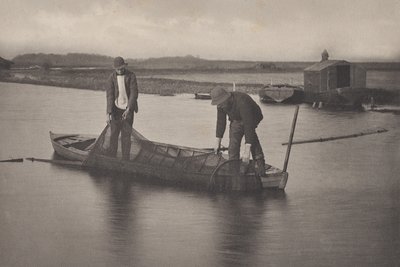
(343, 75)
(311, 81)
(339, 75)
(323, 80)
(332, 81)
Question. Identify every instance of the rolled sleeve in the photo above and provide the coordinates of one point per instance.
(221, 123)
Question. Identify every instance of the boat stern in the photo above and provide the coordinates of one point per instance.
(274, 178)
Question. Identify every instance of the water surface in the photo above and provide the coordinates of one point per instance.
(341, 206)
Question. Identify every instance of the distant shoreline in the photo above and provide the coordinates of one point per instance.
(95, 79)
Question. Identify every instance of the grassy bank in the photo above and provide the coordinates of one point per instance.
(95, 79)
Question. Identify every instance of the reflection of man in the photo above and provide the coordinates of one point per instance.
(244, 115)
(122, 94)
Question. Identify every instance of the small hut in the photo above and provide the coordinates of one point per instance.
(327, 76)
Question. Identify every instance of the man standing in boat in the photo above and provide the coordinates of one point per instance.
(122, 94)
(244, 115)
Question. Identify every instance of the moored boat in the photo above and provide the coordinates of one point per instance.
(281, 93)
(204, 96)
(167, 162)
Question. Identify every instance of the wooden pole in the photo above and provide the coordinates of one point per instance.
(57, 161)
(324, 139)
(12, 160)
(290, 139)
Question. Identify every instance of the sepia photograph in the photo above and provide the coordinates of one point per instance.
(199, 133)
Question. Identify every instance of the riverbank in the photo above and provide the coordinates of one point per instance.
(95, 79)
(380, 86)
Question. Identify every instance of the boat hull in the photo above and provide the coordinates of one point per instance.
(284, 94)
(79, 151)
(202, 96)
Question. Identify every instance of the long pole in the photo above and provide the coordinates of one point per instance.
(324, 139)
(12, 160)
(57, 161)
(290, 139)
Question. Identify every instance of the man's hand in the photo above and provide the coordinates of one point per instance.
(217, 145)
(125, 114)
(246, 154)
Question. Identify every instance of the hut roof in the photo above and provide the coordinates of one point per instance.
(324, 64)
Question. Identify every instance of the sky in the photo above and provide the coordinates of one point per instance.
(255, 30)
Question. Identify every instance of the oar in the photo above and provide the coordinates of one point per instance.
(57, 161)
(12, 160)
(290, 139)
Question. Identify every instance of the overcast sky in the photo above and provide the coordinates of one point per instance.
(268, 30)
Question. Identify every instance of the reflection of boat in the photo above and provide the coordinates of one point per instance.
(281, 93)
(202, 96)
(167, 162)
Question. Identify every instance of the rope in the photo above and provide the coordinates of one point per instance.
(211, 183)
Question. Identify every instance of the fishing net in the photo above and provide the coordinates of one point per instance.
(216, 170)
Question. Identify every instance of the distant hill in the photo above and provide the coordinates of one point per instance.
(380, 65)
(195, 63)
(168, 62)
(173, 63)
(5, 64)
(184, 63)
(68, 60)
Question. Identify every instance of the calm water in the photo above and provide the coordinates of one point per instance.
(251, 78)
(341, 206)
(375, 79)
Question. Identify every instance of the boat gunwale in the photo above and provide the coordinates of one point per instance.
(276, 177)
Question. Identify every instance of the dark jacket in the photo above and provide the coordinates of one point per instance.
(130, 87)
(244, 109)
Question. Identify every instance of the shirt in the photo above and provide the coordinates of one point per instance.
(122, 100)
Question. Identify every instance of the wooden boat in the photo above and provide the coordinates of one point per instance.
(204, 96)
(167, 162)
(281, 93)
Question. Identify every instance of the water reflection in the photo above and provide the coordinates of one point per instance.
(241, 218)
(232, 235)
(119, 202)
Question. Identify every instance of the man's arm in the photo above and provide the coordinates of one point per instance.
(110, 94)
(134, 93)
(221, 123)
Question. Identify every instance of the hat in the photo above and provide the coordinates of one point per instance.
(219, 95)
(119, 62)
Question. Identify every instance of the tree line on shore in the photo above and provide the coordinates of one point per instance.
(189, 62)
(46, 61)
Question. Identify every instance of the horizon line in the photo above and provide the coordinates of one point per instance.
(360, 60)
